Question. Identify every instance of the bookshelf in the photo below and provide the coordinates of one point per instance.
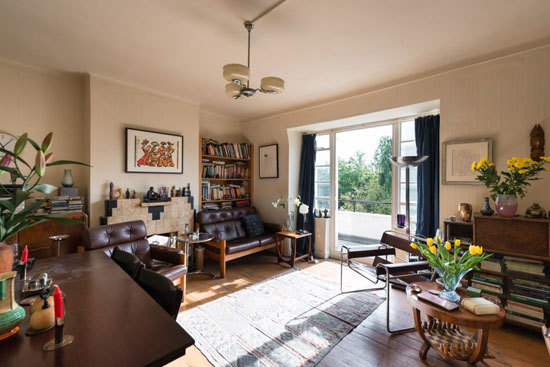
(226, 172)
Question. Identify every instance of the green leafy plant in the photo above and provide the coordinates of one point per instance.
(514, 181)
(12, 218)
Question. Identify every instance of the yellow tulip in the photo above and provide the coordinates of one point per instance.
(457, 243)
(472, 249)
(448, 245)
(510, 162)
(438, 239)
(430, 242)
(479, 250)
(414, 245)
(474, 165)
(433, 250)
(522, 171)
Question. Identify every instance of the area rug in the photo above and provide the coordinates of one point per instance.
(293, 319)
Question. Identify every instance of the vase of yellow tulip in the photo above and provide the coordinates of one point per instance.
(450, 262)
(511, 183)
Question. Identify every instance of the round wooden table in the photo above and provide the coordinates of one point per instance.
(442, 331)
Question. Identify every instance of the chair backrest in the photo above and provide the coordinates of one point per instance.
(128, 236)
(129, 262)
(225, 224)
(162, 290)
(399, 241)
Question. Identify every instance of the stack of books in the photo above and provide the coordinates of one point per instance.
(219, 169)
(491, 264)
(525, 314)
(488, 283)
(244, 202)
(76, 204)
(210, 206)
(527, 266)
(530, 291)
(227, 205)
(227, 150)
(222, 192)
(59, 204)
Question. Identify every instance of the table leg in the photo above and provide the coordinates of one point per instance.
(278, 249)
(293, 255)
(423, 352)
(481, 346)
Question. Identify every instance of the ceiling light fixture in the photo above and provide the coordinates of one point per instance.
(239, 77)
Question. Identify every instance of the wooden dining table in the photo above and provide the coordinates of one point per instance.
(113, 320)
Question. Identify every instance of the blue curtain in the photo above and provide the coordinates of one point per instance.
(306, 190)
(427, 143)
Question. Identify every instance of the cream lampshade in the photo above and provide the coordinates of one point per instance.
(232, 72)
(272, 84)
(232, 90)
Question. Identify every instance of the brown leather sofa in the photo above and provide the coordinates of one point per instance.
(231, 238)
(130, 237)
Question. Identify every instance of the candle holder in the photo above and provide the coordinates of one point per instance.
(60, 340)
(23, 270)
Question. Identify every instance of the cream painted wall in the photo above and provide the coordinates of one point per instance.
(501, 99)
(37, 102)
(220, 127)
(113, 107)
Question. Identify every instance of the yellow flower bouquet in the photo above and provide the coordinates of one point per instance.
(450, 262)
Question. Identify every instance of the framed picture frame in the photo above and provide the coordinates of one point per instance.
(269, 161)
(458, 157)
(153, 152)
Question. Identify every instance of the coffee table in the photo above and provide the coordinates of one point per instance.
(188, 239)
(442, 330)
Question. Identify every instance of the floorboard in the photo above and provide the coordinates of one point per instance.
(369, 344)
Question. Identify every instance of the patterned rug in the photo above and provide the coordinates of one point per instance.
(293, 319)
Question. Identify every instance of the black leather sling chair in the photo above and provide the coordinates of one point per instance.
(398, 274)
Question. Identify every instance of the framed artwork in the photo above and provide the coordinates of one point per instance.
(153, 152)
(269, 161)
(458, 157)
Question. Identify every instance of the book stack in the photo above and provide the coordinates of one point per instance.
(488, 283)
(59, 204)
(227, 150)
(210, 206)
(76, 204)
(222, 192)
(240, 203)
(219, 169)
(227, 205)
(491, 264)
(526, 266)
(535, 292)
(525, 314)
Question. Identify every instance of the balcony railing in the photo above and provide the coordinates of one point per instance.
(365, 206)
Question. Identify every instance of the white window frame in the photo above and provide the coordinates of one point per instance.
(329, 165)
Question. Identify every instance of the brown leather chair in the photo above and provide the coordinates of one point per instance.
(231, 238)
(130, 237)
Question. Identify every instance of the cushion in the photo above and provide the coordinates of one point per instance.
(130, 263)
(254, 225)
(241, 244)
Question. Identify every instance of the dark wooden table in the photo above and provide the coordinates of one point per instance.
(113, 320)
(293, 236)
(442, 330)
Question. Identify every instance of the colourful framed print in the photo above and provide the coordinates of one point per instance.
(153, 152)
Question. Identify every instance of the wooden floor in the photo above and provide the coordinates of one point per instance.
(369, 344)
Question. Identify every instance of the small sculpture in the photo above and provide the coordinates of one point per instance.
(127, 193)
(133, 194)
(325, 213)
(487, 210)
(537, 143)
(151, 195)
(535, 211)
(465, 211)
(114, 194)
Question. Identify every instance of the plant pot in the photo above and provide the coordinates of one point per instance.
(506, 205)
(450, 281)
(6, 257)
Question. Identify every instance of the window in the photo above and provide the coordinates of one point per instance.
(407, 146)
(322, 172)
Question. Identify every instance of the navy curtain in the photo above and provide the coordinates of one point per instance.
(306, 190)
(427, 143)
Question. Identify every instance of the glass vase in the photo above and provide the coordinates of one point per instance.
(290, 222)
(450, 281)
(506, 205)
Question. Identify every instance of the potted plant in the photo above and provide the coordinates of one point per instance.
(509, 184)
(450, 263)
(290, 206)
(14, 218)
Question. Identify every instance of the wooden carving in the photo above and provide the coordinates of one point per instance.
(537, 143)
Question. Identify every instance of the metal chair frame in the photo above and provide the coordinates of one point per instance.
(387, 278)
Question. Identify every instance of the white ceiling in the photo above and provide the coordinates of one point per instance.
(323, 49)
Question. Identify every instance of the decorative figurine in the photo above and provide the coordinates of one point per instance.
(537, 143)
(535, 211)
(11, 314)
(325, 213)
(465, 211)
(127, 193)
(173, 191)
(487, 210)
(151, 195)
(114, 194)
(187, 191)
(133, 194)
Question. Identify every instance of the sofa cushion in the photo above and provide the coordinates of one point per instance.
(253, 224)
(223, 230)
(265, 239)
(241, 244)
(214, 216)
(114, 234)
(238, 213)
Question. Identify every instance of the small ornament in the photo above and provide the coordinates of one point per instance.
(535, 211)
(465, 211)
(114, 194)
(133, 194)
(325, 213)
(127, 193)
(537, 143)
(487, 210)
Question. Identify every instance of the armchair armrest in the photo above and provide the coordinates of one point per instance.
(272, 227)
(402, 268)
(166, 254)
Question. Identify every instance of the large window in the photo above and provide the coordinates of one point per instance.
(322, 172)
(407, 147)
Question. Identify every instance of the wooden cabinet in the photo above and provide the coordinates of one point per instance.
(37, 239)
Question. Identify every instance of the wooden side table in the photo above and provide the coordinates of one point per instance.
(442, 329)
(293, 236)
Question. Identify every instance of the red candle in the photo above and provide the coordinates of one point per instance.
(25, 255)
(58, 302)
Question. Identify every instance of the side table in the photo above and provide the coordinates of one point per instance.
(188, 239)
(442, 331)
(293, 236)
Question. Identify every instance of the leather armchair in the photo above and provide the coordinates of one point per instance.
(130, 237)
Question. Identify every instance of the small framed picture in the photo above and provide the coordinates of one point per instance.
(153, 152)
(458, 157)
(269, 161)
